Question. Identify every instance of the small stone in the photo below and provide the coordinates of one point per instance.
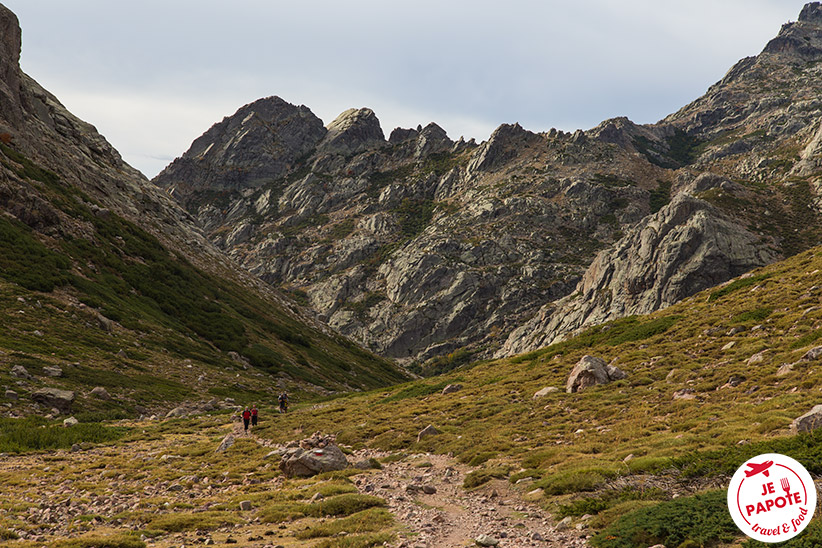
(71, 421)
(246, 505)
(564, 524)
(485, 540)
(451, 388)
(20, 372)
(545, 391)
(100, 393)
(429, 489)
(11, 395)
(427, 431)
(227, 442)
(53, 371)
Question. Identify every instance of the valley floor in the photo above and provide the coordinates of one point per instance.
(163, 486)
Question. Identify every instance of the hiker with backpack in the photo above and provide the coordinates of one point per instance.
(283, 401)
(253, 415)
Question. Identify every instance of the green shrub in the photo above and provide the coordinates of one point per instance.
(479, 477)
(357, 541)
(416, 390)
(27, 262)
(574, 481)
(120, 540)
(703, 519)
(608, 499)
(176, 523)
(811, 537)
(367, 521)
(34, 434)
(343, 505)
(737, 285)
(805, 448)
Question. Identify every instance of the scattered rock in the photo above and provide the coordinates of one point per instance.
(177, 412)
(759, 357)
(591, 371)
(809, 421)
(20, 372)
(71, 421)
(451, 388)
(50, 371)
(486, 540)
(314, 456)
(564, 524)
(227, 442)
(245, 505)
(100, 393)
(812, 354)
(729, 345)
(427, 431)
(54, 397)
(785, 369)
(545, 391)
(685, 394)
(11, 395)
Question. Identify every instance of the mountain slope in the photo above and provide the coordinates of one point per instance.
(426, 249)
(711, 381)
(106, 281)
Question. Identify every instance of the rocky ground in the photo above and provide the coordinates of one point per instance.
(426, 495)
(168, 486)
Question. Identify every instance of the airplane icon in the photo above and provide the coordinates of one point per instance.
(757, 468)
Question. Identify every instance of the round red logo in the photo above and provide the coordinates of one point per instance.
(771, 498)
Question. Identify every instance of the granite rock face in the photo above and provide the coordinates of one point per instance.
(686, 247)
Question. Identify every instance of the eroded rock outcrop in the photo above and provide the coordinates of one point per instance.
(687, 247)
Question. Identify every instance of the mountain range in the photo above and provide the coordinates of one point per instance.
(434, 252)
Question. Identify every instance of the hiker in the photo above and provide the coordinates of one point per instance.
(283, 400)
(253, 415)
(246, 418)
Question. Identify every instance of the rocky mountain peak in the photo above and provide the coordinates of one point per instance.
(258, 144)
(10, 45)
(811, 13)
(502, 146)
(802, 39)
(352, 132)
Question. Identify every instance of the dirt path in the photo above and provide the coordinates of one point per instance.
(425, 494)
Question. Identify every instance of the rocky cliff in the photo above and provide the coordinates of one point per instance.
(420, 246)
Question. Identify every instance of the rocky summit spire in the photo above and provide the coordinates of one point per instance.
(354, 131)
(10, 44)
(811, 13)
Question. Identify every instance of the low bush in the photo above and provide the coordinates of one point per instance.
(120, 540)
(367, 521)
(35, 434)
(479, 477)
(357, 541)
(176, 523)
(702, 519)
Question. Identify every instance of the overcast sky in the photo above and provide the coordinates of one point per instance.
(154, 75)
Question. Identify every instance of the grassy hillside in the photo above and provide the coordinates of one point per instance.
(636, 442)
(102, 299)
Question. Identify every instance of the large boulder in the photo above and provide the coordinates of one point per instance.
(299, 462)
(809, 421)
(54, 397)
(591, 371)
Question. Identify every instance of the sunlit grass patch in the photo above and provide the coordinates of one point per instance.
(374, 519)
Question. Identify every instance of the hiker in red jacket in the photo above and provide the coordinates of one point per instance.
(246, 418)
(253, 415)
